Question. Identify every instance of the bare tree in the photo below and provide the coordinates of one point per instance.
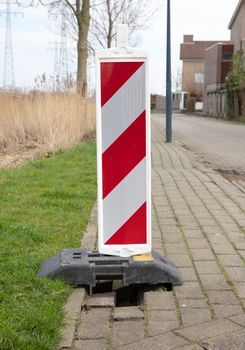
(79, 11)
(105, 16)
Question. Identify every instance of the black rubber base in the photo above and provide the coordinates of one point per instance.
(85, 267)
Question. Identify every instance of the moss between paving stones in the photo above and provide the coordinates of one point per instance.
(44, 207)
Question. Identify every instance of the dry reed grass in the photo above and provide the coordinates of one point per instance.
(48, 121)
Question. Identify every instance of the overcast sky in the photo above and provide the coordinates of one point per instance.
(34, 35)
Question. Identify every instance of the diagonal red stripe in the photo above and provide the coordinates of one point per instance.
(133, 231)
(124, 154)
(114, 75)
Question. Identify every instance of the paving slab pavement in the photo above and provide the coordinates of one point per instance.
(199, 223)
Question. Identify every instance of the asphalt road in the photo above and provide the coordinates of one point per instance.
(220, 143)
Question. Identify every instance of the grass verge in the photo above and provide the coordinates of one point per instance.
(44, 207)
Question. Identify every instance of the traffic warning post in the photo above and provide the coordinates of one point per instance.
(124, 180)
(123, 152)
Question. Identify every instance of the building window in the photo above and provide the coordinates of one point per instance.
(199, 78)
(227, 56)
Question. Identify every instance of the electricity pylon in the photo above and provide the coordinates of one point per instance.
(8, 69)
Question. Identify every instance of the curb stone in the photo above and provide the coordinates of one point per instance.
(73, 306)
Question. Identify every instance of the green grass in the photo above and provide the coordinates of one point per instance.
(44, 207)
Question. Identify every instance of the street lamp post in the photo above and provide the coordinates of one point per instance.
(168, 79)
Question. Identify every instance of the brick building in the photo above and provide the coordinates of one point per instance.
(192, 54)
(237, 27)
(217, 65)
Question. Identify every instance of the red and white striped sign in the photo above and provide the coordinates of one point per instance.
(123, 154)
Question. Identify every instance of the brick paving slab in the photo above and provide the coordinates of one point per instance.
(230, 260)
(222, 297)
(161, 321)
(202, 254)
(234, 341)
(193, 303)
(240, 287)
(189, 347)
(124, 333)
(188, 274)
(208, 330)
(167, 341)
(209, 267)
(189, 290)
(94, 324)
(198, 223)
(214, 282)
(100, 300)
(240, 319)
(159, 300)
(194, 316)
(222, 311)
(236, 273)
(90, 345)
(126, 313)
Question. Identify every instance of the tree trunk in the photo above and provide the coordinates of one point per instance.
(83, 20)
(110, 24)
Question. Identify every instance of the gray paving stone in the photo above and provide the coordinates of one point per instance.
(194, 316)
(188, 274)
(240, 287)
(94, 324)
(180, 260)
(230, 260)
(161, 321)
(173, 238)
(175, 248)
(124, 333)
(198, 243)
(223, 248)
(167, 341)
(202, 254)
(191, 224)
(240, 319)
(162, 315)
(189, 347)
(214, 282)
(233, 341)
(190, 290)
(159, 300)
(100, 344)
(127, 313)
(207, 222)
(222, 297)
(207, 267)
(101, 300)
(193, 303)
(193, 233)
(208, 330)
(227, 310)
(236, 273)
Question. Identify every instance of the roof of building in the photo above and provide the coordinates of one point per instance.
(223, 43)
(234, 16)
(194, 50)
